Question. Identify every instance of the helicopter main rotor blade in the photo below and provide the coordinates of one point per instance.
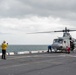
(46, 32)
(59, 31)
(72, 30)
(41, 32)
(65, 30)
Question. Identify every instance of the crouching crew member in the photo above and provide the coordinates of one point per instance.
(49, 49)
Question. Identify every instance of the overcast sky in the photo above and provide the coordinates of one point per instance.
(18, 17)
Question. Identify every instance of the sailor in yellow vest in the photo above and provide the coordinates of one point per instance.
(4, 47)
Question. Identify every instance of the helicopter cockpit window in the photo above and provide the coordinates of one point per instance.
(55, 40)
(58, 40)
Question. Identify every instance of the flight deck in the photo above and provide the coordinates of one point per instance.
(39, 64)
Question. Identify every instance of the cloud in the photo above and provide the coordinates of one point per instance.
(30, 24)
(21, 8)
(16, 29)
(18, 17)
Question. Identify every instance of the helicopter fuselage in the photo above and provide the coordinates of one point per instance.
(60, 43)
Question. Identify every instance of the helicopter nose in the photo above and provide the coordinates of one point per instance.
(56, 46)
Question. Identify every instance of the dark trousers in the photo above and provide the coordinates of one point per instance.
(49, 48)
(3, 54)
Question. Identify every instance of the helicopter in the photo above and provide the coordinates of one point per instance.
(61, 43)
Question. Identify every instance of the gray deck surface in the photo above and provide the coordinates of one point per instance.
(39, 64)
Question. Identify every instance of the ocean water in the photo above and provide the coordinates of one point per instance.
(19, 48)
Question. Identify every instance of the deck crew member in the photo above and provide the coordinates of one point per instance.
(4, 47)
(49, 48)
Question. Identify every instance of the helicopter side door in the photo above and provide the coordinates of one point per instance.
(66, 43)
